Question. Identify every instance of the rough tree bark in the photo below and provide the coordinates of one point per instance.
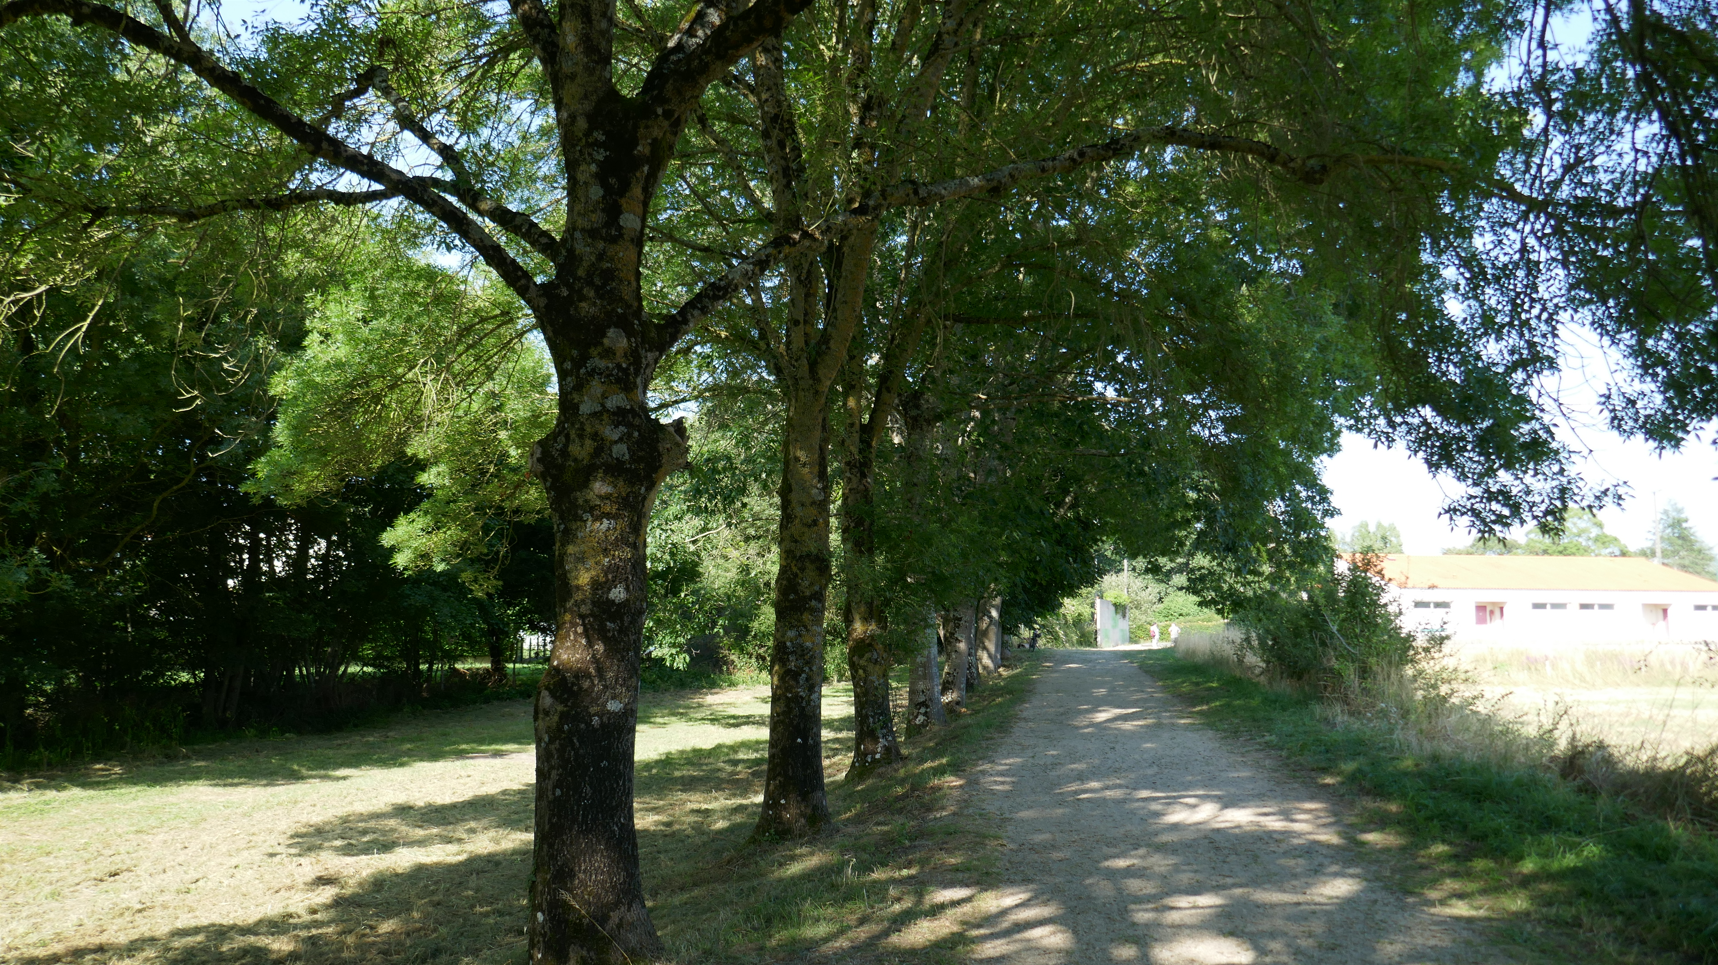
(795, 801)
(868, 660)
(874, 743)
(990, 635)
(955, 632)
(924, 693)
(970, 627)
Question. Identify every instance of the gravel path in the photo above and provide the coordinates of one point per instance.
(1136, 834)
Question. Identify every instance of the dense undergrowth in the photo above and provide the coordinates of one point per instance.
(1565, 838)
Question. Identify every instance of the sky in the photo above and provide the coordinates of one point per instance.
(1389, 485)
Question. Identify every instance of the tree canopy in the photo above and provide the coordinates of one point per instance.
(1041, 278)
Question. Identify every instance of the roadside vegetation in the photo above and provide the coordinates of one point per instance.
(1596, 850)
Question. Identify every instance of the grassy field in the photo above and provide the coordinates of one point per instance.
(1577, 876)
(1648, 699)
(411, 842)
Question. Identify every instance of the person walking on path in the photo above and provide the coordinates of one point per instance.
(1174, 631)
(1154, 634)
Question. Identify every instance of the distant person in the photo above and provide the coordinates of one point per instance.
(1174, 631)
(1032, 644)
(1154, 634)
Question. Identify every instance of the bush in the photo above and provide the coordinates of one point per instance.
(1341, 633)
(1070, 627)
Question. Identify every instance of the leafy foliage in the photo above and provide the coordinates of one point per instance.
(1581, 533)
(1375, 540)
(1339, 633)
(1680, 546)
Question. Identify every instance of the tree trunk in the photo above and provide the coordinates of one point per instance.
(497, 656)
(990, 635)
(924, 697)
(795, 803)
(969, 629)
(601, 466)
(874, 741)
(956, 639)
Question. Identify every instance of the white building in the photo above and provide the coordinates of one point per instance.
(1589, 599)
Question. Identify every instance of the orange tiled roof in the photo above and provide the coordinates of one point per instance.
(1541, 573)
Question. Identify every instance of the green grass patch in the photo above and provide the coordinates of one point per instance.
(1587, 876)
(876, 888)
(410, 841)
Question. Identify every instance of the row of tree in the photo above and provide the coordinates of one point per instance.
(969, 289)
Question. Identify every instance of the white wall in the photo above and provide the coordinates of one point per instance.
(1112, 623)
(1630, 617)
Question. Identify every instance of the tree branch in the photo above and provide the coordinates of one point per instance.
(517, 223)
(1308, 169)
(277, 202)
(539, 29)
(708, 42)
(314, 139)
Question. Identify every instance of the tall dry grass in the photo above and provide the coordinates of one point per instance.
(1438, 708)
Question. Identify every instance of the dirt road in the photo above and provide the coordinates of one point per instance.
(1137, 834)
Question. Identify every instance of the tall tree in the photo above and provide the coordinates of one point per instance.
(552, 132)
(1680, 546)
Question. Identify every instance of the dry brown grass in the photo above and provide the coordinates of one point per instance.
(411, 843)
(1646, 700)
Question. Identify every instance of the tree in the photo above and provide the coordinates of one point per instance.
(1581, 533)
(558, 129)
(1679, 546)
(1367, 538)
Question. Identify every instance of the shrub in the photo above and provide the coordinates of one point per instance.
(1340, 634)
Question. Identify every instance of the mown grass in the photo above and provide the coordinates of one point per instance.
(1585, 877)
(880, 888)
(410, 842)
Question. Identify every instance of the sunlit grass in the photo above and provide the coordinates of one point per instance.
(1480, 805)
(411, 842)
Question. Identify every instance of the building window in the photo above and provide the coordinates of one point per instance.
(1559, 606)
(1431, 604)
(1427, 605)
(1607, 606)
(1702, 606)
(1538, 606)
(1586, 606)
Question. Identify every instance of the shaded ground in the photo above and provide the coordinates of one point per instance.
(411, 843)
(1136, 834)
(410, 840)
